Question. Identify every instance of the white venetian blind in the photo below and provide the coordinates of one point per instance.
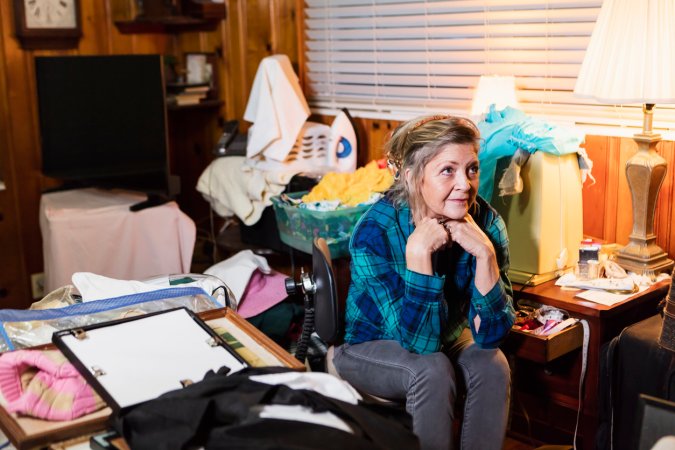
(399, 58)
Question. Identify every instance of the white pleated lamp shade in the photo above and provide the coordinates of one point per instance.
(500, 90)
(631, 55)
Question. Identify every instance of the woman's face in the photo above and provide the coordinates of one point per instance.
(450, 182)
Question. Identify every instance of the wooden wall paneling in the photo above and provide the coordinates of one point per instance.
(380, 132)
(190, 43)
(258, 35)
(595, 196)
(300, 37)
(119, 43)
(14, 291)
(24, 146)
(162, 44)
(236, 87)
(614, 170)
(611, 189)
(283, 36)
(96, 24)
(258, 40)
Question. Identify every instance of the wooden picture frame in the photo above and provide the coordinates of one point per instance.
(202, 68)
(198, 68)
(44, 36)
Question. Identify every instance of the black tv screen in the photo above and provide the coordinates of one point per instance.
(103, 121)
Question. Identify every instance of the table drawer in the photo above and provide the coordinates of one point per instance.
(543, 349)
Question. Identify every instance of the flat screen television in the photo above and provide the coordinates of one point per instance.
(103, 122)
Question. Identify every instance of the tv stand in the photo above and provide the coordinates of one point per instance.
(153, 200)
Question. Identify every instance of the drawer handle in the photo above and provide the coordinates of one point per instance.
(3, 292)
(2, 216)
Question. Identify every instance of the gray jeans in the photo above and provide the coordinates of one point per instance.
(429, 385)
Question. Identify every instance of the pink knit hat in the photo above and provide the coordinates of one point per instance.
(43, 384)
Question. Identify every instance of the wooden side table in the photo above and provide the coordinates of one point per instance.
(545, 396)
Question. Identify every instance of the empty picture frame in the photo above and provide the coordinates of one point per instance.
(199, 68)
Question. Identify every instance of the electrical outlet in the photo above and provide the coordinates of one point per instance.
(37, 283)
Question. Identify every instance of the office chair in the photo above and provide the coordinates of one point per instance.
(323, 314)
(320, 299)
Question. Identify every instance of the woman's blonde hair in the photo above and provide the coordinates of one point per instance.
(414, 143)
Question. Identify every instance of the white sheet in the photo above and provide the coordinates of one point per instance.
(234, 188)
(277, 108)
(92, 230)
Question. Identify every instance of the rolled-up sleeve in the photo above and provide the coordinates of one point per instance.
(409, 306)
(492, 315)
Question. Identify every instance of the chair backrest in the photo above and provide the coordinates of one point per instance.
(327, 314)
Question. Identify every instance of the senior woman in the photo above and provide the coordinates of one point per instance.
(429, 299)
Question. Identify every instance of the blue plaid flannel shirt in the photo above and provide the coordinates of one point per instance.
(423, 312)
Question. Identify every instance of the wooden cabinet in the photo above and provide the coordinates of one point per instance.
(545, 397)
(191, 143)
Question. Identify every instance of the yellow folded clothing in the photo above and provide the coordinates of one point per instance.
(351, 189)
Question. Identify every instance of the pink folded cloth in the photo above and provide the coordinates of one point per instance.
(43, 384)
(262, 292)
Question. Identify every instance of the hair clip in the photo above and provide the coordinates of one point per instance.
(428, 119)
(394, 168)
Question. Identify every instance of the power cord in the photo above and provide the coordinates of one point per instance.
(584, 360)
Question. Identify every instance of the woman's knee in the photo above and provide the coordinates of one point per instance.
(436, 370)
(488, 366)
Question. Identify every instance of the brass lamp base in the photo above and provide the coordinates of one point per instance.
(635, 260)
(645, 172)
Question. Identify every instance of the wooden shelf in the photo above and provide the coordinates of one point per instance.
(201, 105)
(170, 24)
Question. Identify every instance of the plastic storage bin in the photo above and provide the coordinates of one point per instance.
(299, 226)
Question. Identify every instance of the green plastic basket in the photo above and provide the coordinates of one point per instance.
(299, 226)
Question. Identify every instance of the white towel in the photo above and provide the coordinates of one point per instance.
(277, 108)
(97, 287)
(233, 188)
(237, 270)
(94, 287)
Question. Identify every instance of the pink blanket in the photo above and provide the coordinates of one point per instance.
(262, 292)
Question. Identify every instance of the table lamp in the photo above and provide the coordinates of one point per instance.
(631, 59)
(500, 90)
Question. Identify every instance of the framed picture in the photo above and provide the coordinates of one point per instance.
(200, 68)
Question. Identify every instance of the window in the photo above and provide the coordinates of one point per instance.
(399, 58)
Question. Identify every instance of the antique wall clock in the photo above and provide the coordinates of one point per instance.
(49, 24)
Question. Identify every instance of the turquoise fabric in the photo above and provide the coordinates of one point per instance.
(503, 132)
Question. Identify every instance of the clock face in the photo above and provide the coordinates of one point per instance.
(42, 14)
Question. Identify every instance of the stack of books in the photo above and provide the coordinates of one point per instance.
(181, 94)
